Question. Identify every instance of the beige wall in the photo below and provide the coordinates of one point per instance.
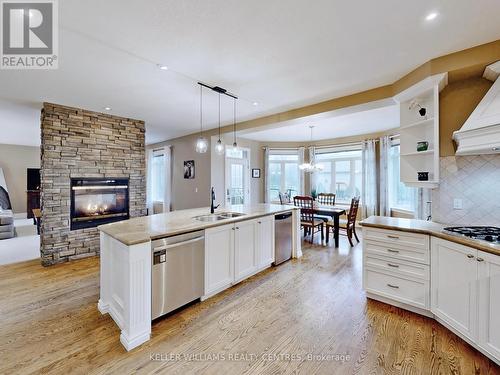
(14, 160)
(456, 103)
(188, 193)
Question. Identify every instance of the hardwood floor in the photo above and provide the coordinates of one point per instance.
(312, 306)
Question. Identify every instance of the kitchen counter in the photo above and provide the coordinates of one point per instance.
(127, 260)
(430, 228)
(144, 229)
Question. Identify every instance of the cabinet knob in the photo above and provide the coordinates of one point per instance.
(470, 256)
(237, 227)
(393, 251)
(393, 286)
(480, 259)
(392, 265)
(260, 222)
(393, 237)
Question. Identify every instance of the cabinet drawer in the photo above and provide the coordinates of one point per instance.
(394, 238)
(398, 267)
(397, 252)
(413, 292)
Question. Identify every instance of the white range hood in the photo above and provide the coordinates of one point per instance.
(480, 134)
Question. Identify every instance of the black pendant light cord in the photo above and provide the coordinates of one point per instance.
(219, 117)
(201, 111)
(234, 121)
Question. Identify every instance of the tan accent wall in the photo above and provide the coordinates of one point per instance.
(456, 103)
(15, 160)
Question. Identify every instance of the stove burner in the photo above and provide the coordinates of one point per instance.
(490, 234)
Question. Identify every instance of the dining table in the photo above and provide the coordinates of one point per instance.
(333, 211)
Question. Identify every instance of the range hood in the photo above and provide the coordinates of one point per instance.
(480, 134)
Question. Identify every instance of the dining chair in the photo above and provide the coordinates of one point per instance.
(326, 198)
(308, 220)
(348, 225)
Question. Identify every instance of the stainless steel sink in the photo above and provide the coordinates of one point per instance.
(218, 216)
(206, 218)
(229, 215)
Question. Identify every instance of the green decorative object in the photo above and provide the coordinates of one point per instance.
(422, 146)
(314, 194)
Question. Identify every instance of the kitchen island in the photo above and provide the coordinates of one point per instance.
(127, 261)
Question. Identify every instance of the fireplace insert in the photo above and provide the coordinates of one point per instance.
(96, 201)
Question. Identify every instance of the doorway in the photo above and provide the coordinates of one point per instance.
(237, 178)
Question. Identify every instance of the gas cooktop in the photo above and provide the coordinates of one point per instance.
(490, 234)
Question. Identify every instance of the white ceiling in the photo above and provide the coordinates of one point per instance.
(365, 122)
(282, 54)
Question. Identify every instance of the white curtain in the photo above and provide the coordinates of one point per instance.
(312, 178)
(149, 182)
(266, 174)
(369, 179)
(168, 179)
(163, 204)
(301, 153)
(385, 146)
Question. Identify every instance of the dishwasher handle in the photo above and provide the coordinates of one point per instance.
(166, 247)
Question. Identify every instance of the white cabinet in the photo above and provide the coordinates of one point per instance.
(265, 238)
(453, 280)
(219, 258)
(235, 252)
(396, 267)
(489, 303)
(245, 245)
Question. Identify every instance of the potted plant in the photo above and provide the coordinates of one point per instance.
(314, 194)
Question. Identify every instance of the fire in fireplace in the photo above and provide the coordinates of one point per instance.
(96, 201)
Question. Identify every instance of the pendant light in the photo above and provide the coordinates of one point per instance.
(201, 143)
(219, 147)
(235, 145)
(310, 167)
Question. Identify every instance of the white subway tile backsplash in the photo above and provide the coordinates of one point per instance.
(474, 179)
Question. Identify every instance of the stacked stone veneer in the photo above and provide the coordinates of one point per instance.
(80, 143)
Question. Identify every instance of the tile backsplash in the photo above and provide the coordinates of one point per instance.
(476, 181)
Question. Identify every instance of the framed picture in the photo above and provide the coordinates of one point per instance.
(255, 172)
(189, 169)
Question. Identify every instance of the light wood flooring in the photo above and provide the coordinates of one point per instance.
(49, 323)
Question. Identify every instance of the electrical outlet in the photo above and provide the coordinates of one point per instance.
(457, 204)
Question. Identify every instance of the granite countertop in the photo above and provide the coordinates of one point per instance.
(143, 229)
(430, 228)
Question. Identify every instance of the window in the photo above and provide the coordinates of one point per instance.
(341, 173)
(400, 196)
(284, 174)
(158, 170)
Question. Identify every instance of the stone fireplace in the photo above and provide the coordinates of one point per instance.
(97, 201)
(93, 171)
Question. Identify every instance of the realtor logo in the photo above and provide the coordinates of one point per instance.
(29, 38)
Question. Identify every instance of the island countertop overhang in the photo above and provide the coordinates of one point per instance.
(146, 228)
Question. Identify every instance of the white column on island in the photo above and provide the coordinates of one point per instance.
(126, 288)
(297, 239)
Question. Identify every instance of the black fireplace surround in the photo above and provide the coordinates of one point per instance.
(97, 201)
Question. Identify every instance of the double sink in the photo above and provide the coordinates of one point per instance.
(218, 216)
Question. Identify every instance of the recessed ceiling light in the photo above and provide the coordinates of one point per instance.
(107, 108)
(255, 104)
(162, 67)
(431, 16)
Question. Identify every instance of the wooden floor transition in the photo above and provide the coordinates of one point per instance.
(307, 316)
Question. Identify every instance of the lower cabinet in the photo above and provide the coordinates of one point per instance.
(465, 289)
(219, 258)
(235, 252)
(489, 303)
(453, 280)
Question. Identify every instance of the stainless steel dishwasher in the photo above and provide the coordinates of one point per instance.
(178, 271)
(283, 237)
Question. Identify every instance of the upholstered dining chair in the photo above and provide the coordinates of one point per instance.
(307, 217)
(326, 198)
(348, 225)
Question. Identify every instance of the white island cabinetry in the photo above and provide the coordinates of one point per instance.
(237, 251)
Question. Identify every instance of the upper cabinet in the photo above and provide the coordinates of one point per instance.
(481, 132)
(419, 132)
